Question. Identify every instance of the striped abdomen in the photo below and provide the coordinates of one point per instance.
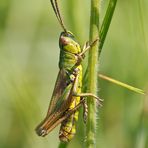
(68, 126)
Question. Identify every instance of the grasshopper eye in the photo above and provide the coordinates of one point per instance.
(70, 35)
(67, 34)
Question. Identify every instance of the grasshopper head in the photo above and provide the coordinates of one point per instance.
(68, 43)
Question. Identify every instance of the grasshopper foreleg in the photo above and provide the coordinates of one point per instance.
(88, 46)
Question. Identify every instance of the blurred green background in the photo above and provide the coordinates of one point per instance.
(29, 54)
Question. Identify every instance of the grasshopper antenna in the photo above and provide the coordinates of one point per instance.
(57, 13)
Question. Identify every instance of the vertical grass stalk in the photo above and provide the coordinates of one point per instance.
(92, 75)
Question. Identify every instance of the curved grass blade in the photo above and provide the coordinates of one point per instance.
(134, 89)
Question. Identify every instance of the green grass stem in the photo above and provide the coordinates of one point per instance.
(92, 75)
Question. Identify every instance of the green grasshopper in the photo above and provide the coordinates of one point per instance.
(67, 96)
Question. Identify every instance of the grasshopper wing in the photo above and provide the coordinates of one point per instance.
(60, 85)
(57, 114)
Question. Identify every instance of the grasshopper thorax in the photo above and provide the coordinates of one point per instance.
(68, 43)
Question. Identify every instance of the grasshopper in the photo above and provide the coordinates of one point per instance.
(67, 96)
